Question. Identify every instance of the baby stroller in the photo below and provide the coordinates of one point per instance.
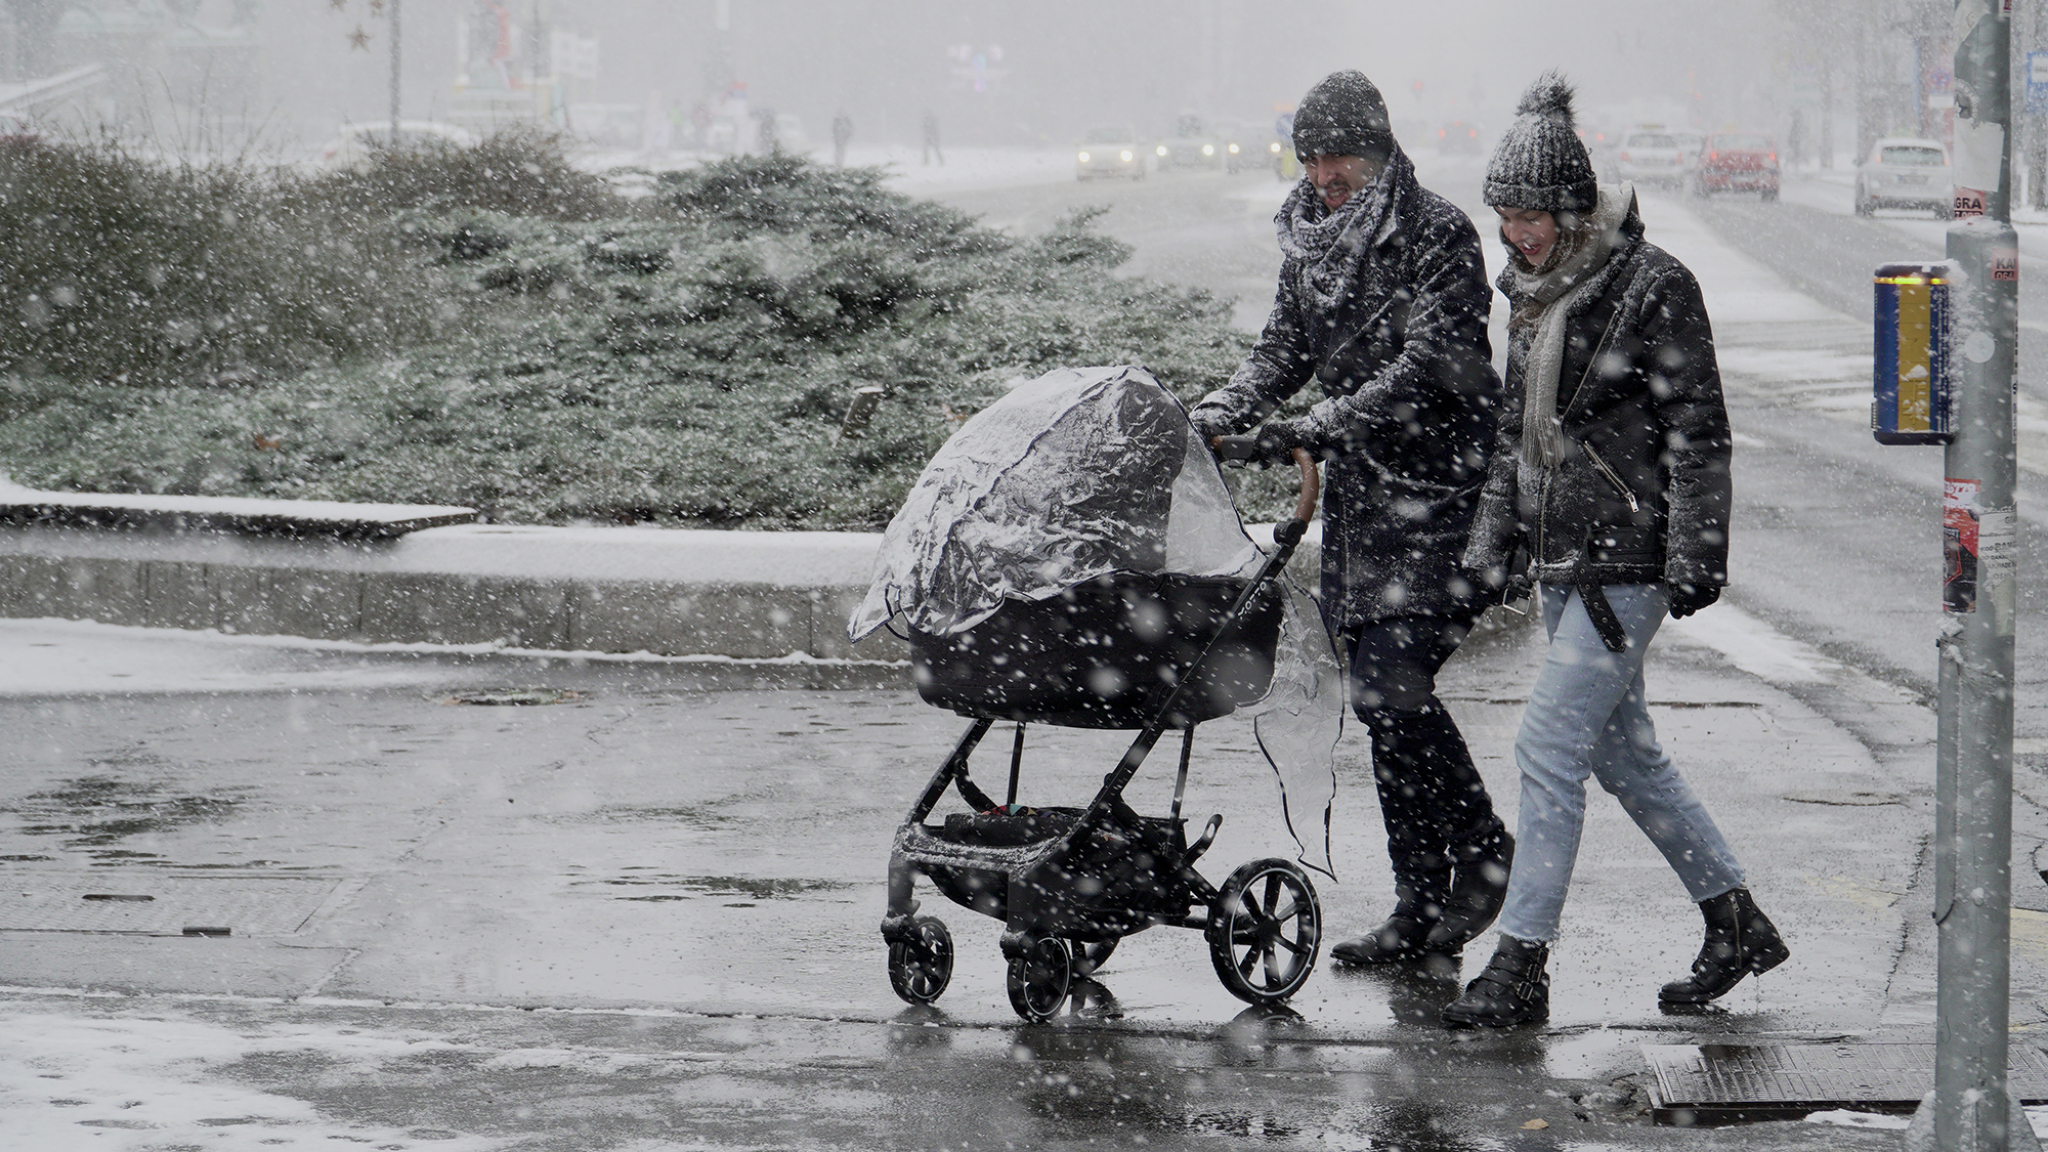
(1060, 562)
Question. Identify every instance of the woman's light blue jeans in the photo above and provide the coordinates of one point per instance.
(1587, 715)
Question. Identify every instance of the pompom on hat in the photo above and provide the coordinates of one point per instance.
(1343, 115)
(1540, 161)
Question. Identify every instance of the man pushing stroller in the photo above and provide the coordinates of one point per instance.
(1383, 301)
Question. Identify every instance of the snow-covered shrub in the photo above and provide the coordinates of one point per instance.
(124, 270)
(687, 358)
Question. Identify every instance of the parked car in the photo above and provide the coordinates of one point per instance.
(357, 142)
(1651, 154)
(1194, 144)
(1111, 151)
(1458, 138)
(1737, 162)
(1905, 172)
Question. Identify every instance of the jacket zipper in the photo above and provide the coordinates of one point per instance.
(1613, 478)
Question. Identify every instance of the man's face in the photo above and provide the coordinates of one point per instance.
(1338, 178)
(1530, 231)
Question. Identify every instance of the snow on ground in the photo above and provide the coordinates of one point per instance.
(1754, 646)
(1738, 289)
(144, 1083)
(61, 657)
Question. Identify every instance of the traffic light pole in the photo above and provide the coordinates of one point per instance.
(1973, 759)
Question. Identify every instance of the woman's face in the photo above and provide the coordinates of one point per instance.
(1530, 231)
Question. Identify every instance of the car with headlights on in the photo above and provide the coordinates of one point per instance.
(1651, 154)
(1737, 162)
(1459, 138)
(1112, 150)
(1905, 172)
(1194, 144)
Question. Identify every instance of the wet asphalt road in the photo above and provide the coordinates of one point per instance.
(645, 916)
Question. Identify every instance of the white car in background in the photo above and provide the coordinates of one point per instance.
(1905, 172)
(354, 146)
(1653, 154)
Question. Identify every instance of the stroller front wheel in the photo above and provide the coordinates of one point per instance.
(921, 966)
(1041, 978)
(1265, 930)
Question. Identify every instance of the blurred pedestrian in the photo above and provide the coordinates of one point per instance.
(1612, 470)
(931, 138)
(1382, 304)
(842, 132)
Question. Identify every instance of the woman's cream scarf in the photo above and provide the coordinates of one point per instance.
(1549, 297)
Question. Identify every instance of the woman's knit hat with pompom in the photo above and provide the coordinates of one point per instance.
(1540, 161)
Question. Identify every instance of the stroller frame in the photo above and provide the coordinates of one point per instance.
(1072, 882)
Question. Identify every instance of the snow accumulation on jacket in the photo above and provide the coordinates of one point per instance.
(1643, 493)
(1409, 399)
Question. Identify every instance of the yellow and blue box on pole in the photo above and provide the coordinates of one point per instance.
(1911, 375)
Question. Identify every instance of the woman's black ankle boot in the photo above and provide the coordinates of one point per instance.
(1514, 989)
(1740, 940)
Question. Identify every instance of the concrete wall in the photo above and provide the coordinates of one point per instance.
(348, 594)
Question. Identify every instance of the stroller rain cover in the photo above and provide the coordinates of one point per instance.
(1085, 472)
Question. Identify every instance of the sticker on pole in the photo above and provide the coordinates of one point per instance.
(1959, 545)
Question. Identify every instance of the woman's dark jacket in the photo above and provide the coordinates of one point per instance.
(1639, 393)
(1407, 418)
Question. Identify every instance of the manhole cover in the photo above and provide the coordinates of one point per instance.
(153, 904)
(1736, 1083)
(506, 697)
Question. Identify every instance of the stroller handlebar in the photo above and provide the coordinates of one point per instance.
(1311, 487)
(1243, 449)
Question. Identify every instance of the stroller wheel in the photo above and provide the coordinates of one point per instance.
(1265, 929)
(922, 966)
(1041, 978)
(1090, 956)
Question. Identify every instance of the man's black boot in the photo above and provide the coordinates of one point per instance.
(1514, 989)
(1404, 935)
(1479, 888)
(1740, 940)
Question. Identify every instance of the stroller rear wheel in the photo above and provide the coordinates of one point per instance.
(921, 966)
(1090, 956)
(1265, 929)
(1041, 978)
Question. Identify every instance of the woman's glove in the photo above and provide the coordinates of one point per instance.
(1687, 599)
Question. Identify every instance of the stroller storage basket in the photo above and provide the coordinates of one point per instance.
(1104, 653)
(1126, 874)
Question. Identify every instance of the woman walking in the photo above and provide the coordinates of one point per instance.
(1611, 468)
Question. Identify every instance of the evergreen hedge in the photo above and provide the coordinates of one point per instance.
(488, 326)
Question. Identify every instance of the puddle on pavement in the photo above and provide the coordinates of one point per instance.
(689, 816)
(95, 814)
(717, 887)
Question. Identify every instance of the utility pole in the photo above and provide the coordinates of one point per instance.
(1972, 1107)
(394, 72)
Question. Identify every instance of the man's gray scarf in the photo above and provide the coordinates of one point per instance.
(1330, 245)
(1549, 297)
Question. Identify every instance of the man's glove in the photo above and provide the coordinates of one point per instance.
(1687, 599)
(1272, 445)
(1276, 442)
(1209, 423)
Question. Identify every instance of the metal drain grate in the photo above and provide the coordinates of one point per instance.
(159, 905)
(1708, 1084)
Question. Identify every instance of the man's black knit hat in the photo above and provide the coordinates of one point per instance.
(1540, 161)
(1343, 115)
